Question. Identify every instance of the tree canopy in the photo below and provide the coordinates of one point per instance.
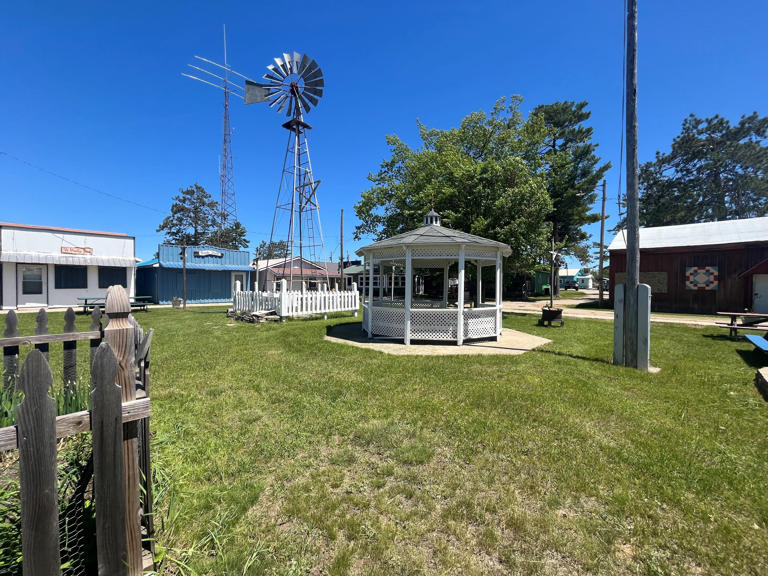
(573, 171)
(267, 250)
(192, 222)
(714, 171)
(484, 177)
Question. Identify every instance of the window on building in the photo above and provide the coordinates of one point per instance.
(111, 275)
(32, 281)
(70, 277)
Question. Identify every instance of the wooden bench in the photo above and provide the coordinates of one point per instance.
(760, 342)
(733, 329)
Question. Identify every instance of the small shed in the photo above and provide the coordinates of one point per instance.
(436, 247)
(212, 274)
(700, 268)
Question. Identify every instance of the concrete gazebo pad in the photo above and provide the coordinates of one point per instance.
(511, 342)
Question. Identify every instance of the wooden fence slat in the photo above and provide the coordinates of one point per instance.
(10, 353)
(76, 422)
(69, 354)
(145, 462)
(119, 334)
(36, 422)
(106, 423)
(45, 339)
(95, 327)
(40, 329)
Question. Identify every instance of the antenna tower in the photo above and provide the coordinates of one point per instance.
(295, 83)
(226, 176)
(220, 79)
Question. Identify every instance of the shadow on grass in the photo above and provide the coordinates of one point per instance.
(720, 337)
(753, 358)
(574, 356)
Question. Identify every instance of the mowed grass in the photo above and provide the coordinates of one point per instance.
(283, 453)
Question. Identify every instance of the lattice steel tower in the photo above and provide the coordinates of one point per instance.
(228, 203)
(295, 83)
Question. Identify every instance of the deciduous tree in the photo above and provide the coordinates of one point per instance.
(484, 177)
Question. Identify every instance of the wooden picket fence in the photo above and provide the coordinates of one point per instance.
(119, 424)
(296, 302)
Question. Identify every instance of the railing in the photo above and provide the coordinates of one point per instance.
(113, 486)
(432, 322)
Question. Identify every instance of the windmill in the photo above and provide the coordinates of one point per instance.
(294, 84)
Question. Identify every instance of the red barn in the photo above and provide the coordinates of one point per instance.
(701, 268)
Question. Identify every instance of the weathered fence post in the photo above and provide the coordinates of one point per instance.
(40, 329)
(119, 334)
(10, 353)
(107, 426)
(95, 325)
(70, 355)
(36, 424)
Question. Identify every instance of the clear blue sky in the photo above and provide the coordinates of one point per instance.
(93, 91)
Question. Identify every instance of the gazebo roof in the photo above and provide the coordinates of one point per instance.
(432, 235)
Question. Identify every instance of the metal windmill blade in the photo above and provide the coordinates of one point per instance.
(294, 83)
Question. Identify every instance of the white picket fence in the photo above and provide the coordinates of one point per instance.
(297, 303)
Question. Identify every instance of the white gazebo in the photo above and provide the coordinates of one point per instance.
(433, 246)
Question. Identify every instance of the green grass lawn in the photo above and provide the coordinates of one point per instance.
(281, 453)
(564, 295)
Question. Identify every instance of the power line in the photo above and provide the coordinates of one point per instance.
(76, 183)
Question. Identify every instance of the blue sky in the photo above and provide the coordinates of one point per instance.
(93, 92)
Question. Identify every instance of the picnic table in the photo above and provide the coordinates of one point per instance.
(749, 321)
(91, 302)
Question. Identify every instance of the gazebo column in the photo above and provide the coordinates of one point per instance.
(408, 296)
(499, 275)
(479, 297)
(392, 291)
(445, 284)
(370, 297)
(460, 315)
(382, 281)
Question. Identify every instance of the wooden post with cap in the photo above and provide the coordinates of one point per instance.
(119, 334)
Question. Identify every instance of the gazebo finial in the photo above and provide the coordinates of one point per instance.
(432, 218)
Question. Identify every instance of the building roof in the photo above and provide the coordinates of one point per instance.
(352, 270)
(569, 272)
(67, 259)
(55, 229)
(432, 235)
(204, 257)
(701, 234)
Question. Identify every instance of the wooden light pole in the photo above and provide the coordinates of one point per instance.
(633, 221)
(341, 253)
(602, 247)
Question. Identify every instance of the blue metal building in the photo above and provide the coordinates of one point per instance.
(211, 274)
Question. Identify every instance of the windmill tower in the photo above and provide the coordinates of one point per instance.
(227, 204)
(294, 84)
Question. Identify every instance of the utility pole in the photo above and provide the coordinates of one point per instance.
(341, 252)
(633, 222)
(602, 246)
(184, 273)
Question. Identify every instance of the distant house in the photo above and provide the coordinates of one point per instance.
(212, 274)
(583, 276)
(701, 268)
(269, 273)
(43, 266)
(359, 275)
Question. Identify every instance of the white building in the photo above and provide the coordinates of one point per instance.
(44, 266)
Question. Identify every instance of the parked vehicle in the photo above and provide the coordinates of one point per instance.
(571, 284)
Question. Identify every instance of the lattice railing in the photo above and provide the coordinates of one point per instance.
(434, 324)
(480, 322)
(389, 322)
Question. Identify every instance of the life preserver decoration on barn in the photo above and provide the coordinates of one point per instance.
(701, 278)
